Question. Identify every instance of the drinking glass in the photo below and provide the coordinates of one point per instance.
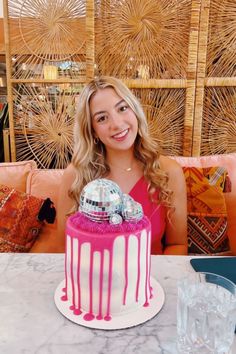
(206, 314)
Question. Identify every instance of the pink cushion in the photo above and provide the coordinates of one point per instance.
(14, 174)
(44, 183)
(229, 162)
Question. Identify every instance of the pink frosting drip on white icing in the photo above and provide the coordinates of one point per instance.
(100, 244)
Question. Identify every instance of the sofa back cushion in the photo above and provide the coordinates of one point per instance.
(229, 162)
(44, 183)
(14, 174)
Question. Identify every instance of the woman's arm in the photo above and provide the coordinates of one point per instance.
(176, 228)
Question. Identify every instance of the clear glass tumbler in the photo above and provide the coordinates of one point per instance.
(206, 314)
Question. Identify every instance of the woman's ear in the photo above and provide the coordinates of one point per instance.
(95, 140)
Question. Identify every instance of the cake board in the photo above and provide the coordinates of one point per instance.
(134, 318)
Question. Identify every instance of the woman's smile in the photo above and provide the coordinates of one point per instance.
(121, 136)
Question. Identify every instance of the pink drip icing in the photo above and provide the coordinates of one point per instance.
(100, 247)
(126, 269)
(108, 316)
(99, 317)
(138, 278)
(77, 312)
(78, 278)
(90, 285)
(72, 275)
(89, 317)
(149, 267)
(147, 272)
(64, 298)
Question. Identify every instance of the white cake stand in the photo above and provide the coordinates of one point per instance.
(138, 316)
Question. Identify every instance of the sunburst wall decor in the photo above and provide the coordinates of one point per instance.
(164, 109)
(132, 35)
(46, 33)
(221, 51)
(219, 121)
(44, 119)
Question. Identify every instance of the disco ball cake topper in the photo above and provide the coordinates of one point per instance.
(102, 200)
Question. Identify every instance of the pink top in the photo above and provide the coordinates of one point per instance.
(155, 213)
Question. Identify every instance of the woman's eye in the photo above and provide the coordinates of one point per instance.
(101, 119)
(123, 108)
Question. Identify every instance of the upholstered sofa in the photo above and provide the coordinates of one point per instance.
(26, 177)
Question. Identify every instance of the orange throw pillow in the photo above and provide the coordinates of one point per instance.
(21, 218)
(207, 214)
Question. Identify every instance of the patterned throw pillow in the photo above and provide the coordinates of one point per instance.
(21, 218)
(207, 214)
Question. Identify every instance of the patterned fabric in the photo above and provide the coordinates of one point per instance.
(207, 214)
(19, 224)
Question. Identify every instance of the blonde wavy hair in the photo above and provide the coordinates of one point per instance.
(89, 157)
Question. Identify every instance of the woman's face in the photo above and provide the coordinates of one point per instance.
(113, 121)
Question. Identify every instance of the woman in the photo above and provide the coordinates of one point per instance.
(112, 141)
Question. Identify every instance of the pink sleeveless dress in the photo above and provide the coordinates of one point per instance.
(155, 213)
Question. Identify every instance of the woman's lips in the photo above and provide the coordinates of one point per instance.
(121, 136)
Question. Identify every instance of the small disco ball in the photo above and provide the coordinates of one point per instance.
(100, 199)
(131, 211)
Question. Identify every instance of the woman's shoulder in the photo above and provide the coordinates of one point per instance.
(169, 165)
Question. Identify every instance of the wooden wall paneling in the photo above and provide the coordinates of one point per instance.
(219, 108)
(9, 75)
(215, 113)
(201, 69)
(2, 41)
(90, 39)
(191, 78)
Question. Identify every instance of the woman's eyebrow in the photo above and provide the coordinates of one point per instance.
(99, 112)
(118, 103)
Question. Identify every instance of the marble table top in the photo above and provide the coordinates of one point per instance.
(31, 324)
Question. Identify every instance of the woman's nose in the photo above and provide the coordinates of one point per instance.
(115, 120)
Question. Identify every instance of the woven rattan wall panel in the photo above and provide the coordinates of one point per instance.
(215, 115)
(143, 38)
(46, 50)
(44, 117)
(177, 56)
(153, 45)
(221, 46)
(164, 109)
(219, 121)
